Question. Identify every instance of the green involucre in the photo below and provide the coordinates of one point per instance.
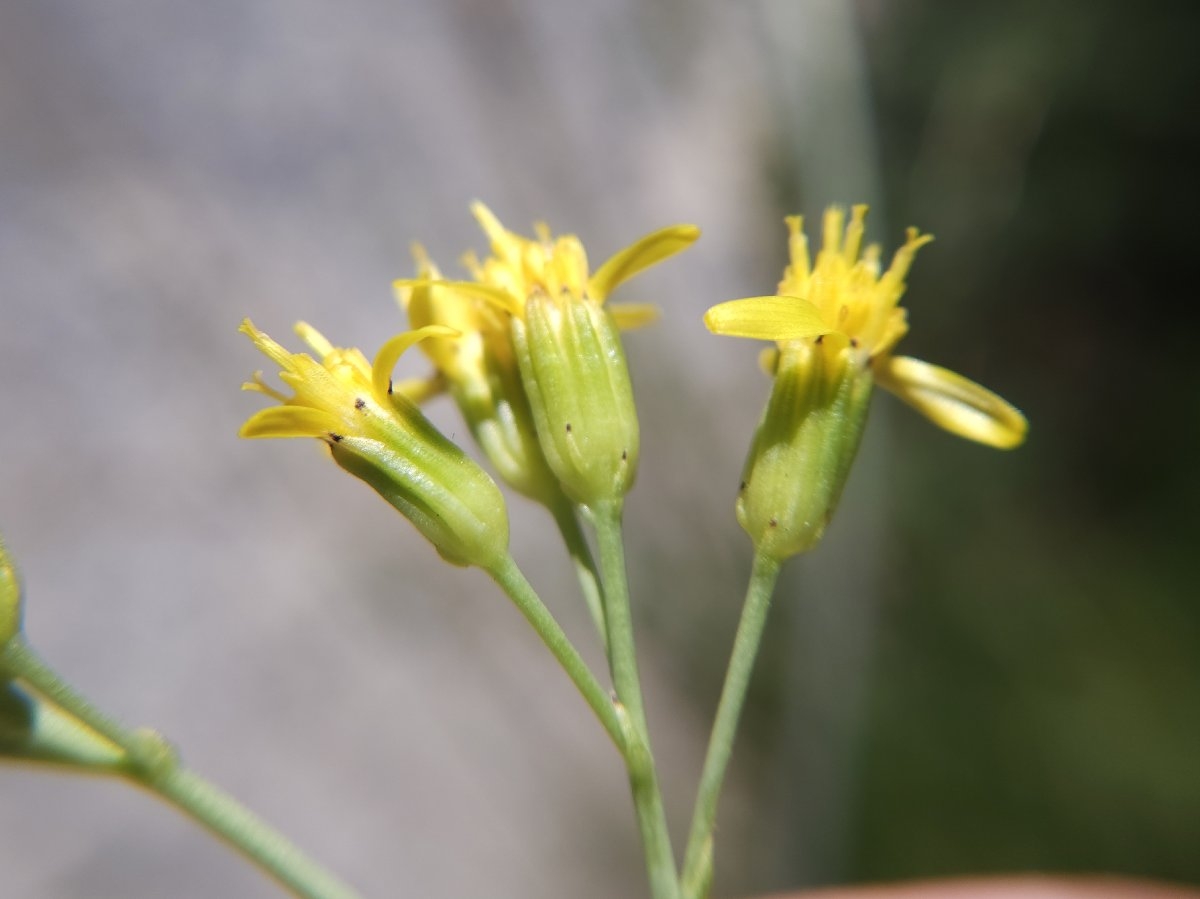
(803, 449)
(574, 371)
(437, 487)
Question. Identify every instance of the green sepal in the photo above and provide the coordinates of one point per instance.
(436, 486)
(803, 449)
(496, 409)
(573, 367)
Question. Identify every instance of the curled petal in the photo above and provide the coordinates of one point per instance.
(953, 402)
(642, 254)
(629, 316)
(389, 354)
(767, 318)
(289, 421)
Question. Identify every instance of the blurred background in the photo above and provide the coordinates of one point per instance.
(991, 664)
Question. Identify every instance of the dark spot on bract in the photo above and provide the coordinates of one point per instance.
(389, 386)
(820, 337)
(568, 427)
(624, 455)
(336, 438)
(773, 523)
(360, 403)
(741, 486)
(854, 343)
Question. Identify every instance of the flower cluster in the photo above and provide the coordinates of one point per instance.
(532, 355)
(531, 351)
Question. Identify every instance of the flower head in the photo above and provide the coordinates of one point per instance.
(536, 309)
(835, 324)
(377, 433)
(479, 367)
(845, 305)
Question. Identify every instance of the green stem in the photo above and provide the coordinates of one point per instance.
(585, 565)
(20, 661)
(35, 731)
(151, 764)
(237, 826)
(697, 865)
(643, 777)
(511, 580)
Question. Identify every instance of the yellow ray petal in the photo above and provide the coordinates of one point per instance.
(497, 296)
(629, 316)
(767, 318)
(314, 338)
(389, 354)
(289, 421)
(505, 244)
(639, 255)
(258, 385)
(953, 402)
(265, 344)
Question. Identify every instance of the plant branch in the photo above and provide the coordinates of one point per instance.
(697, 865)
(643, 777)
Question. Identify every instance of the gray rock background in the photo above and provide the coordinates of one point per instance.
(168, 168)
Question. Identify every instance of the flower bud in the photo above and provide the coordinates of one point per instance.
(803, 449)
(573, 368)
(10, 597)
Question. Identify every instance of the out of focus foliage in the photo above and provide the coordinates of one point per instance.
(1035, 699)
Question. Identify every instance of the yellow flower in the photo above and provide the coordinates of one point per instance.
(479, 367)
(521, 269)
(461, 359)
(845, 305)
(835, 324)
(378, 434)
(538, 305)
